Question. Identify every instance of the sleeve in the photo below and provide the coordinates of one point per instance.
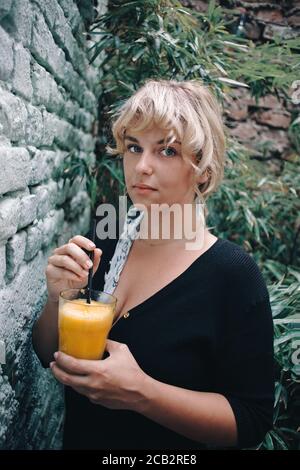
(245, 359)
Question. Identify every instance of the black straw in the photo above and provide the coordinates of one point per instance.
(91, 256)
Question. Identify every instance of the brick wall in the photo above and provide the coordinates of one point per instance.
(48, 106)
(262, 127)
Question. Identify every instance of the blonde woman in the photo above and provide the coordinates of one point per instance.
(189, 361)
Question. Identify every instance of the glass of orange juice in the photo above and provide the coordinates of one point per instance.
(83, 327)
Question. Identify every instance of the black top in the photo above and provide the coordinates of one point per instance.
(208, 330)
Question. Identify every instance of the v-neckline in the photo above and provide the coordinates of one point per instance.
(170, 284)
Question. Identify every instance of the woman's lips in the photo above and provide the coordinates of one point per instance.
(143, 188)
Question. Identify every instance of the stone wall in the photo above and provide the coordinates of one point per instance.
(48, 107)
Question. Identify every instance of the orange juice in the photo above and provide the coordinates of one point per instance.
(83, 327)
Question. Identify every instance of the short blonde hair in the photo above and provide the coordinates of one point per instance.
(189, 112)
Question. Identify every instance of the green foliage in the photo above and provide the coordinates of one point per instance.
(259, 211)
(76, 170)
(285, 301)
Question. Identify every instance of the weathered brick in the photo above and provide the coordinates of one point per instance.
(43, 198)
(42, 163)
(15, 250)
(89, 102)
(79, 226)
(85, 120)
(58, 162)
(46, 195)
(284, 32)
(80, 61)
(61, 31)
(51, 226)
(71, 12)
(46, 51)
(269, 102)
(5, 7)
(70, 110)
(13, 116)
(274, 118)
(66, 234)
(87, 142)
(50, 127)
(20, 21)
(63, 187)
(21, 77)
(245, 131)
(48, 229)
(74, 83)
(64, 135)
(78, 203)
(3, 266)
(277, 140)
(8, 408)
(4, 141)
(90, 158)
(34, 126)
(32, 222)
(6, 54)
(45, 89)
(9, 217)
(77, 186)
(28, 210)
(49, 9)
(16, 170)
(34, 240)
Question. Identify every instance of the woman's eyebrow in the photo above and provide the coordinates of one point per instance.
(133, 139)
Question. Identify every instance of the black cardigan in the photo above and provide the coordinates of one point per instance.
(209, 330)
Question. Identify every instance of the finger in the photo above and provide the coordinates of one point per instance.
(75, 366)
(112, 345)
(68, 379)
(74, 251)
(83, 242)
(65, 261)
(62, 273)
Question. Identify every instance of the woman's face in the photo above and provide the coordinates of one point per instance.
(147, 161)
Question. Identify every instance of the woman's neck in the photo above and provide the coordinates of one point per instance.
(166, 227)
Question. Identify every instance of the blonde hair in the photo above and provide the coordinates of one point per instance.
(189, 112)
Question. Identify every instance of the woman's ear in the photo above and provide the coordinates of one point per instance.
(203, 178)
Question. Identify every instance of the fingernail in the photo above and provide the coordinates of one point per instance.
(89, 264)
(55, 355)
(92, 245)
(51, 364)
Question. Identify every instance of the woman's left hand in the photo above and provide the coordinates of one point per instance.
(115, 382)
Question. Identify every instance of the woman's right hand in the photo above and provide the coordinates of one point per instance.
(67, 268)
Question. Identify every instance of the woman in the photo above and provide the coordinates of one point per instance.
(190, 358)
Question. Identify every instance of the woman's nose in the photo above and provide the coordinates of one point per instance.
(145, 163)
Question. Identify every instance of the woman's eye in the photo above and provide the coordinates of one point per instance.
(133, 148)
(169, 152)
